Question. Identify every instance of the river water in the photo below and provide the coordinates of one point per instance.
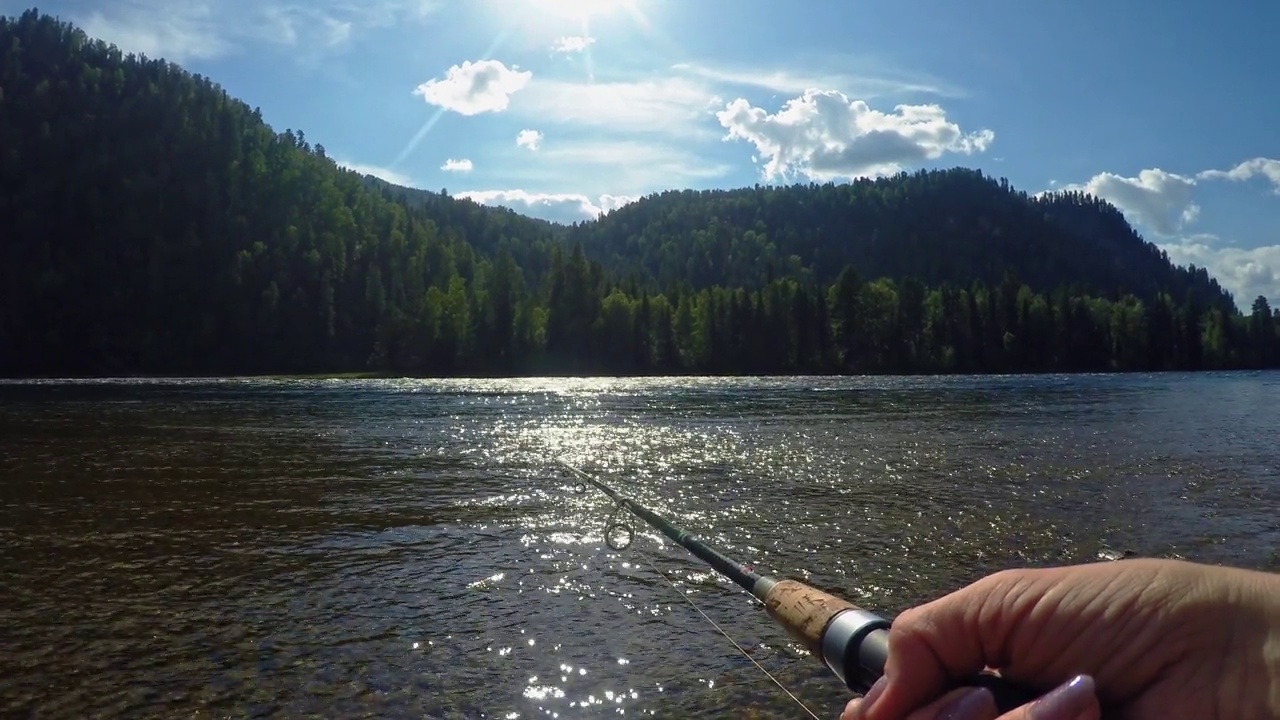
(213, 548)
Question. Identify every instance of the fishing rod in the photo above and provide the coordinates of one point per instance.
(852, 642)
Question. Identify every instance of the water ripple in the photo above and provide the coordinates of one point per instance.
(412, 548)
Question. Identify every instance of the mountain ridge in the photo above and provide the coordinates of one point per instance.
(858, 223)
(1056, 201)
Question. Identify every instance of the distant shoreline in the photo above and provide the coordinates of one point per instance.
(567, 376)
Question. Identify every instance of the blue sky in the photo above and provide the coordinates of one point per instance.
(566, 109)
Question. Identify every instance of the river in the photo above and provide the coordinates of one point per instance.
(398, 548)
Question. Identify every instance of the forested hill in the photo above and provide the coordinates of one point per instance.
(447, 210)
(151, 224)
(955, 226)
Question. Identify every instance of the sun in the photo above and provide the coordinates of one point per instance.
(575, 20)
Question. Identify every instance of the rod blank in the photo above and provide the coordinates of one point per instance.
(852, 642)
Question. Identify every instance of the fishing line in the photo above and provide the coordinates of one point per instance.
(617, 521)
(726, 635)
(852, 642)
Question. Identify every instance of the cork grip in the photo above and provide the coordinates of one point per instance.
(804, 611)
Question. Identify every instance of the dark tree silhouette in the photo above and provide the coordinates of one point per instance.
(150, 224)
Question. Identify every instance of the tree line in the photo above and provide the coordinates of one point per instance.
(580, 321)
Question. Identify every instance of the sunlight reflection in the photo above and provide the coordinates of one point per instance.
(542, 692)
(469, 469)
(486, 582)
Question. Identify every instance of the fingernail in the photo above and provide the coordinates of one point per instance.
(1066, 701)
(974, 704)
(869, 699)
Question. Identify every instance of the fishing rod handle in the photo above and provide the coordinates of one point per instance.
(855, 646)
(852, 642)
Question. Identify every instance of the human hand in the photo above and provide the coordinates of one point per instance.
(1144, 639)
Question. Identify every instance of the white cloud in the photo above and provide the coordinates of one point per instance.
(475, 87)
(392, 176)
(664, 105)
(462, 165)
(383, 13)
(678, 103)
(824, 135)
(337, 32)
(626, 167)
(1246, 272)
(572, 44)
(1158, 199)
(1266, 167)
(278, 24)
(529, 139)
(309, 28)
(556, 207)
(795, 83)
(205, 29)
(178, 33)
(632, 166)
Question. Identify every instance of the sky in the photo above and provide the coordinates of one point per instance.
(566, 109)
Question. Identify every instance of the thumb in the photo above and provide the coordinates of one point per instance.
(958, 636)
(1076, 699)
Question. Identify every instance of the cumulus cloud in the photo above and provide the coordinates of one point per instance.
(392, 176)
(463, 165)
(1247, 170)
(1246, 272)
(475, 87)
(572, 44)
(1158, 199)
(556, 207)
(824, 135)
(529, 139)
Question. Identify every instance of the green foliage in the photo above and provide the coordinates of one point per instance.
(952, 226)
(151, 224)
